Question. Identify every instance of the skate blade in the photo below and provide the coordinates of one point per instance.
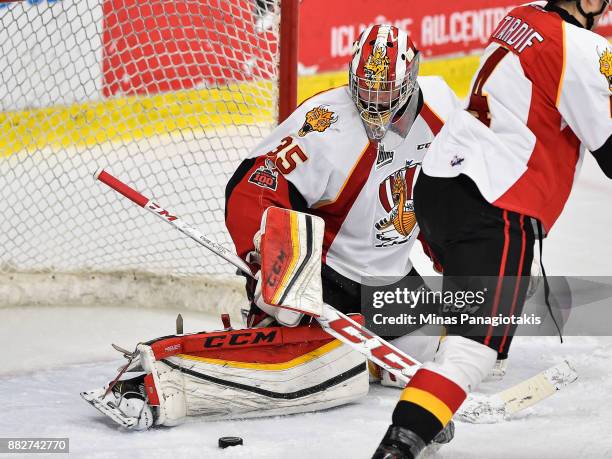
(94, 398)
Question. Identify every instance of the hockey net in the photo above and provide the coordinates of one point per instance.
(169, 96)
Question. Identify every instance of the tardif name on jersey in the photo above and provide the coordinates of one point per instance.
(517, 34)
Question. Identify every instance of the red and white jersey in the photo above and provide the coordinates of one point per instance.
(541, 96)
(321, 161)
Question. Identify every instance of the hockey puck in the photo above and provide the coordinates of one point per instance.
(225, 442)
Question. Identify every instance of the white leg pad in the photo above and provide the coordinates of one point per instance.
(170, 386)
(212, 389)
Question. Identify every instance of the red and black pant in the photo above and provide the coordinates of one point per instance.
(481, 248)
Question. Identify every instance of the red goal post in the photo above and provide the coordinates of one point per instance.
(171, 95)
(289, 30)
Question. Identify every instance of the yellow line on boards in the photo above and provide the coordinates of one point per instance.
(134, 117)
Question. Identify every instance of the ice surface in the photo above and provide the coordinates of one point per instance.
(53, 353)
(39, 397)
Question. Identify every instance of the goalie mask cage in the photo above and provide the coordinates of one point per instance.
(170, 96)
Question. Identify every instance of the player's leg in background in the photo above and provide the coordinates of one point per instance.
(480, 247)
(496, 261)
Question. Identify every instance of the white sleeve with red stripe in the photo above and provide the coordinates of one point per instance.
(318, 145)
(296, 160)
(586, 90)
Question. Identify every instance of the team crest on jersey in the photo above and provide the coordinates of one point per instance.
(318, 120)
(377, 68)
(395, 195)
(265, 176)
(605, 65)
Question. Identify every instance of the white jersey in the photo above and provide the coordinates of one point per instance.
(361, 188)
(541, 95)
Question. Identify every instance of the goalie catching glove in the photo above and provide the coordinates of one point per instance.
(288, 248)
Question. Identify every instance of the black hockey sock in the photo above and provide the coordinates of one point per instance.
(427, 404)
(417, 419)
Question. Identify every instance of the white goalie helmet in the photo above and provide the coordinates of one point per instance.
(382, 76)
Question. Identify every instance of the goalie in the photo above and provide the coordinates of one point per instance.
(321, 206)
(350, 156)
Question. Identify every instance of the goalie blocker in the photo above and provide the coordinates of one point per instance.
(234, 374)
(288, 248)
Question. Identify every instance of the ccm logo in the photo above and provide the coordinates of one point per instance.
(277, 267)
(174, 347)
(160, 211)
(239, 339)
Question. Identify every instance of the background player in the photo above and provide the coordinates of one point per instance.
(540, 98)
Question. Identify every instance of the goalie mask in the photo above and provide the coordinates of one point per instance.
(382, 77)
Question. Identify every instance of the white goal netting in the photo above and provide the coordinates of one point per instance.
(169, 96)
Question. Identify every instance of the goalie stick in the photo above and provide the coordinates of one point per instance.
(489, 409)
(334, 322)
(479, 409)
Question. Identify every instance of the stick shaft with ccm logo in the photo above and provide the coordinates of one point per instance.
(334, 322)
